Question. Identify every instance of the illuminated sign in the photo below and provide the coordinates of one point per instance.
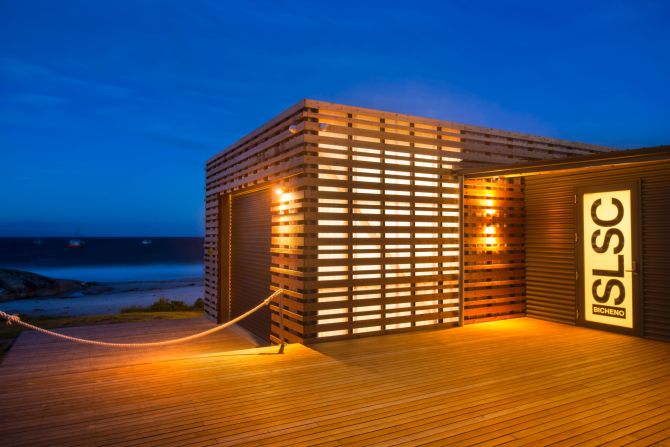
(608, 261)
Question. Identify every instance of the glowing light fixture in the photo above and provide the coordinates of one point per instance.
(279, 190)
(489, 229)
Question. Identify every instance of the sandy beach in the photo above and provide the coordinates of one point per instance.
(108, 297)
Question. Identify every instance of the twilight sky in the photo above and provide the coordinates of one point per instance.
(108, 110)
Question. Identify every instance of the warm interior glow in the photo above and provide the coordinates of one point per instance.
(279, 190)
(389, 215)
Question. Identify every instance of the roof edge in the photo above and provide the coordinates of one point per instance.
(259, 130)
(468, 127)
(645, 154)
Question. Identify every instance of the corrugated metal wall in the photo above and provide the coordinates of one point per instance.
(656, 251)
(550, 248)
(550, 242)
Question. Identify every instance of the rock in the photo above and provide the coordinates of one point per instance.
(18, 284)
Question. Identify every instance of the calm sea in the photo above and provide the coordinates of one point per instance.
(106, 258)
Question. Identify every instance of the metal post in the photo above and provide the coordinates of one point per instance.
(281, 324)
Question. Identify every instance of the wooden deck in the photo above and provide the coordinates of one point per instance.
(512, 382)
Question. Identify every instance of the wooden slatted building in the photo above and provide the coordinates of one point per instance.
(361, 216)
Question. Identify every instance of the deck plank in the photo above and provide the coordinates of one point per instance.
(511, 382)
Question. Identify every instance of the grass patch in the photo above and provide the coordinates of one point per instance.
(166, 305)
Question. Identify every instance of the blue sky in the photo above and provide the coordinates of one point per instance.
(108, 110)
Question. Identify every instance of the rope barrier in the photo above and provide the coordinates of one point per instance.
(14, 319)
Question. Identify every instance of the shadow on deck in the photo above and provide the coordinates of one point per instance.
(510, 382)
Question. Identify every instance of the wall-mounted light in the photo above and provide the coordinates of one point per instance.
(293, 128)
(490, 215)
(491, 221)
(491, 238)
(279, 190)
(323, 126)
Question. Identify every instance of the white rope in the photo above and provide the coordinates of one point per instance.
(14, 319)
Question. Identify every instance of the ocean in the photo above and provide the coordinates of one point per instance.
(139, 271)
(106, 259)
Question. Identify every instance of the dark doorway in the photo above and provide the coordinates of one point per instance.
(251, 235)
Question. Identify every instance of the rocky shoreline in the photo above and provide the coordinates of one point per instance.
(31, 294)
(19, 284)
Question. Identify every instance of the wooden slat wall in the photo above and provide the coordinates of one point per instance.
(292, 222)
(387, 226)
(366, 241)
(493, 249)
(273, 154)
(550, 241)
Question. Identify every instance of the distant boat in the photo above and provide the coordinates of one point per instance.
(38, 241)
(75, 242)
(147, 242)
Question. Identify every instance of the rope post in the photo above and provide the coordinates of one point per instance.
(281, 324)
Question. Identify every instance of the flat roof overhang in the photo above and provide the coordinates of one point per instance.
(614, 158)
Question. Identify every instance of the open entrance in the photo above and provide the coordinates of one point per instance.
(251, 233)
(607, 257)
